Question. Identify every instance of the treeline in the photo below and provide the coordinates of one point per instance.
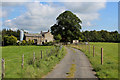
(9, 32)
(100, 36)
(10, 37)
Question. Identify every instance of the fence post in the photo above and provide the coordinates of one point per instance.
(22, 62)
(93, 51)
(101, 56)
(41, 54)
(3, 68)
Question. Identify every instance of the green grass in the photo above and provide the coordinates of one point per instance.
(109, 69)
(13, 60)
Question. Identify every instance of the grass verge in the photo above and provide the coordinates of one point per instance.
(13, 60)
(109, 69)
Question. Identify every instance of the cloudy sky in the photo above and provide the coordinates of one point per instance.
(37, 16)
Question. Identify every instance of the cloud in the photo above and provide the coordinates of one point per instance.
(38, 17)
(0, 23)
(41, 16)
(84, 7)
(4, 13)
(17, 1)
(86, 11)
(14, 29)
(7, 7)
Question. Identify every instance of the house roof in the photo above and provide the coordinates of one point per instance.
(35, 35)
(31, 35)
(44, 33)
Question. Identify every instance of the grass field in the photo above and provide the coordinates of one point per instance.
(109, 69)
(13, 60)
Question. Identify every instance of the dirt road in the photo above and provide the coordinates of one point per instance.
(74, 65)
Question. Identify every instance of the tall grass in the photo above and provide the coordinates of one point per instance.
(109, 69)
(13, 60)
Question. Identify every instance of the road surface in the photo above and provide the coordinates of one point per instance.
(74, 65)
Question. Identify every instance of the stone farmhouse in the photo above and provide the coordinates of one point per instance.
(41, 38)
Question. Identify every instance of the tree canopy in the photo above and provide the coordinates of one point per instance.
(10, 40)
(68, 26)
(100, 36)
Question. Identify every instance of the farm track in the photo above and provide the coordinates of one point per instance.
(74, 65)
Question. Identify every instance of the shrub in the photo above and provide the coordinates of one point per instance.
(18, 43)
(33, 42)
(48, 43)
(58, 37)
(10, 40)
(57, 41)
(23, 42)
(29, 42)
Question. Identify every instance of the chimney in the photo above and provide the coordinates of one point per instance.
(48, 30)
(41, 32)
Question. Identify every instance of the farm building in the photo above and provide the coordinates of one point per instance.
(41, 38)
(75, 41)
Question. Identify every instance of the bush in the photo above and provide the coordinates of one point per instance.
(23, 42)
(18, 43)
(10, 40)
(29, 42)
(57, 41)
(33, 42)
(48, 43)
(58, 37)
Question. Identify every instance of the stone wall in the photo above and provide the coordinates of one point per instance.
(48, 37)
(40, 39)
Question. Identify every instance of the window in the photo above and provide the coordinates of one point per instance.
(45, 40)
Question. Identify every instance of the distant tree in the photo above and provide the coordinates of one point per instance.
(10, 32)
(68, 26)
(80, 39)
(58, 37)
(10, 40)
(100, 36)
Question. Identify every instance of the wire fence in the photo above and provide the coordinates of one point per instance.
(91, 50)
(24, 58)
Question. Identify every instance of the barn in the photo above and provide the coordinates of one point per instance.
(41, 38)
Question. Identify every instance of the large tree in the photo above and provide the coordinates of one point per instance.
(68, 26)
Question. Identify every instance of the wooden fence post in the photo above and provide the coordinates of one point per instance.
(33, 57)
(93, 51)
(3, 68)
(41, 54)
(22, 62)
(101, 56)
